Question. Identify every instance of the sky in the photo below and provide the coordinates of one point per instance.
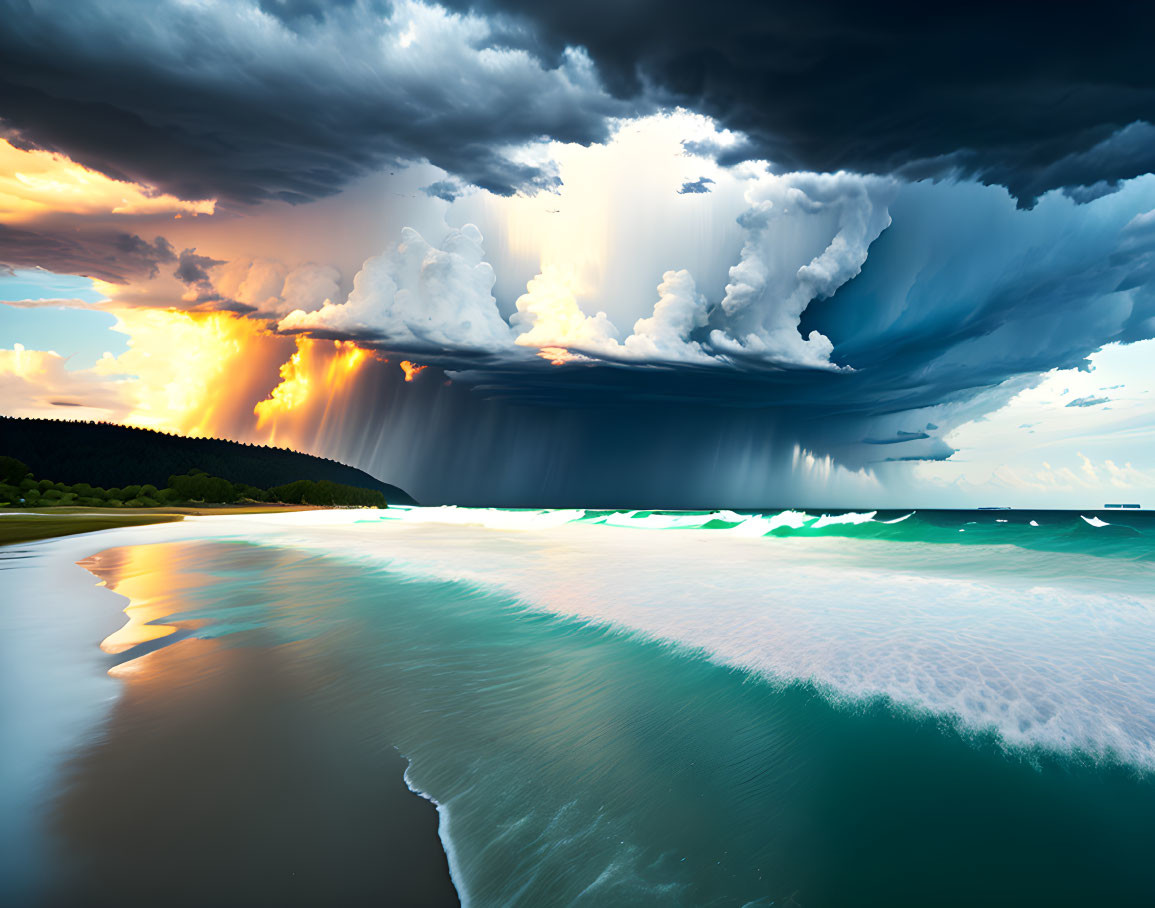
(753, 255)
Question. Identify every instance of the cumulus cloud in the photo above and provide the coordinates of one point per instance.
(665, 335)
(781, 272)
(418, 297)
(308, 287)
(549, 315)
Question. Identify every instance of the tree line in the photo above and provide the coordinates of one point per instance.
(110, 456)
(20, 488)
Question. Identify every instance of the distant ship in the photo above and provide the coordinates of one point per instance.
(1135, 506)
(994, 509)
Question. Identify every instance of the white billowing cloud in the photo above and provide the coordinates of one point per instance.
(270, 286)
(420, 297)
(548, 315)
(665, 335)
(417, 296)
(308, 287)
(254, 282)
(618, 221)
(807, 235)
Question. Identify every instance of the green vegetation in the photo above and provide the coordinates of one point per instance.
(111, 456)
(25, 528)
(19, 488)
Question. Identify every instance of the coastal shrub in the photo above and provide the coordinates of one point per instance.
(306, 491)
(12, 471)
(198, 486)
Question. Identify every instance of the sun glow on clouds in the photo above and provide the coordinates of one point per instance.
(37, 183)
(316, 376)
(411, 370)
(191, 371)
(38, 383)
(197, 373)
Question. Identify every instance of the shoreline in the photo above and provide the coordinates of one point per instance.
(27, 525)
(189, 712)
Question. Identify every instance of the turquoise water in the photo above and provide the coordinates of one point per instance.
(597, 754)
(1107, 533)
(620, 708)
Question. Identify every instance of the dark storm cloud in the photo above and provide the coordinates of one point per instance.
(289, 101)
(690, 187)
(1032, 96)
(107, 255)
(948, 319)
(446, 190)
(193, 268)
(900, 438)
(291, 12)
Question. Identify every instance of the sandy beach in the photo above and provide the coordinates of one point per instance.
(202, 774)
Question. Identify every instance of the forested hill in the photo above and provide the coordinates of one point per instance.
(109, 455)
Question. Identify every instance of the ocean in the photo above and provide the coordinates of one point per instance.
(604, 707)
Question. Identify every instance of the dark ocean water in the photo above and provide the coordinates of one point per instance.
(915, 716)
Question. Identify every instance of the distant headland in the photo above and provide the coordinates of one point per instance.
(106, 455)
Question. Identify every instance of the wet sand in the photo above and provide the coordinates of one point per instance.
(219, 778)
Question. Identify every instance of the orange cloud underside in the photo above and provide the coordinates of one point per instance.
(315, 380)
(202, 374)
(35, 184)
(411, 370)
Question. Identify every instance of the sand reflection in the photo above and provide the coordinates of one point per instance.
(137, 573)
(227, 774)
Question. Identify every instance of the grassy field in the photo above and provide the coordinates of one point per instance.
(26, 527)
(21, 526)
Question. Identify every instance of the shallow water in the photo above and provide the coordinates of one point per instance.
(609, 715)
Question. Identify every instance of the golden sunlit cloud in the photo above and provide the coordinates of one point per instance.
(550, 310)
(214, 374)
(311, 402)
(322, 366)
(37, 183)
(411, 370)
(195, 372)
(558, 356)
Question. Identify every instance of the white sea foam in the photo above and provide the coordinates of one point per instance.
(759, 525)
(1095, 521)
(653, 521)
(899, 519)
(455, 872)
(490, 518)
(829, 520)
(1053, 650)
